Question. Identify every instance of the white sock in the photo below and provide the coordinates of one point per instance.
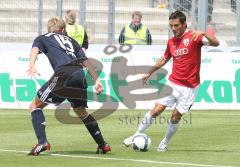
(145, 123)
(172, 128)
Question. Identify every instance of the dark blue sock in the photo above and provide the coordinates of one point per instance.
(93, 128)
(38, 121)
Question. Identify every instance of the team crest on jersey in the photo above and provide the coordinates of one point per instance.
(186, 42)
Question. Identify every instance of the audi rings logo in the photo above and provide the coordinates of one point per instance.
(180, 52)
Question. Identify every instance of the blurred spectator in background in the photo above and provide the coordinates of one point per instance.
(233, 6)
(163, 4)
(74, 30)
(135, 33)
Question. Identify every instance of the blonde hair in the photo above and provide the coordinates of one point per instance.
(56, 24)
(137, 13)
(70, 17)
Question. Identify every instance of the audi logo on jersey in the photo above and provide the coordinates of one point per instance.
(180, 52)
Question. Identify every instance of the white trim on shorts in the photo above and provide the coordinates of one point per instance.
(181, 98)
(49, 89)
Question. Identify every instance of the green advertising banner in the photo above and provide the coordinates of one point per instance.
(120, 70)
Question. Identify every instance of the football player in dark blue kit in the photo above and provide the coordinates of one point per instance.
(67, 60)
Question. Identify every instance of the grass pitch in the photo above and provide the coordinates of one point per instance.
(205, 138)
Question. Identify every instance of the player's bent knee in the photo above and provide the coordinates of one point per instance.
(36, 104)
(176, 117)
(157, 110)
(154, 113)
(32, 106)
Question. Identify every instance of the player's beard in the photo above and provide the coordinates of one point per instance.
(179, 33)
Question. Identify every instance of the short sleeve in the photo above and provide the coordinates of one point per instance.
(39, 44)
(81, 55)
(167, 54)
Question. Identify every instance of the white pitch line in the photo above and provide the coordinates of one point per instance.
(119, 159)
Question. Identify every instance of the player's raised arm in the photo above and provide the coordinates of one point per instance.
(91, 70)
(31, 67)
(161, 62)
(211, 39)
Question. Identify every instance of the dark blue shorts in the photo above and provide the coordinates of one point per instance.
(71, 86)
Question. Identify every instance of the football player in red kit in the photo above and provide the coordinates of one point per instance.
(185, 50)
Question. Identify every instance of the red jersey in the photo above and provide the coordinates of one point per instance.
(186, 54)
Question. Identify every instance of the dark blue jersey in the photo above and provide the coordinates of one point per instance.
(59, 49)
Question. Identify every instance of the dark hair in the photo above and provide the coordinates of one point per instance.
(178, 15)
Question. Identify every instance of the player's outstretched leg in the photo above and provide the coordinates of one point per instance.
(146, 122)
(93, 128)
(171, 130)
